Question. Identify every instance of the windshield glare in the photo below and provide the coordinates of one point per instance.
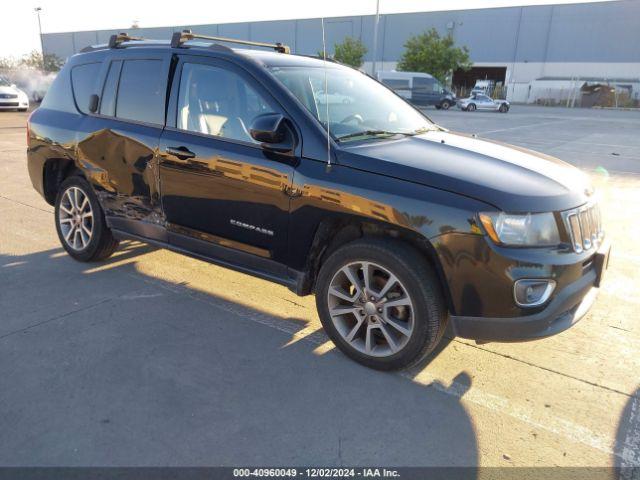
(355, 103)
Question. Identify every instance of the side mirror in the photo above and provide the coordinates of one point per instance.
(94, 100)
(271, 131)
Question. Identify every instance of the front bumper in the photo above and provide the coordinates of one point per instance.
(565, 309)
(13, 103)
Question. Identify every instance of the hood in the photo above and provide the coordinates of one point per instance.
(11, 90)
(511, 178)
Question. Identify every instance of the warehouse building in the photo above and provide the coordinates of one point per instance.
(550, 53)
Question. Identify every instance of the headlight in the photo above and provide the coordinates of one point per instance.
(531, 229)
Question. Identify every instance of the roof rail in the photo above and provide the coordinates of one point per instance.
(116, 40)
(179, 38)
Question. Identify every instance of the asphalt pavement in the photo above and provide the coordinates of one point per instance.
(152, 359)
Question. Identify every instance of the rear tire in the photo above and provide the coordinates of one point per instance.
(393, 320)
(471, 107)
(80, 222)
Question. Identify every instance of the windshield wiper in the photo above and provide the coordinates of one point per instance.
(370, 133)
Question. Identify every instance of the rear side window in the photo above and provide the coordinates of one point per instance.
(141, 91)
(396, 83)
(83, 79)
(108, 102)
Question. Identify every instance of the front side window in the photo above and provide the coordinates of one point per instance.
(218, 102)
(352, 105)
(142, 91)
(83, 80)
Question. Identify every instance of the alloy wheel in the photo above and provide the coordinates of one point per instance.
(75, 216)
(371, 309)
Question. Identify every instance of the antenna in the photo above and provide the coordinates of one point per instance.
(326, 93)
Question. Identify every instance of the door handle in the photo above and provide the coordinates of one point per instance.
(181, 152)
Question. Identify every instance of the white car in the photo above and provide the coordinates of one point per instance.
(479, 101)
(11, 97)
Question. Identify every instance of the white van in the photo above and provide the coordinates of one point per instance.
(421, 89)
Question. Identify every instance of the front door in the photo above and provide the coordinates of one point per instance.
(485, 103)
(218, 185)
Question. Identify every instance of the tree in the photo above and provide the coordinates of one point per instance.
(51, 63)
(430, 53)
(8, 63)
(350, 52)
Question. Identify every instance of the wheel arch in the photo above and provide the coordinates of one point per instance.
(332, 234)
(56, 171)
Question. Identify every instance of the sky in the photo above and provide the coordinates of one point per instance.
(20, 35)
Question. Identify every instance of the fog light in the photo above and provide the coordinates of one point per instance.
(531, 293)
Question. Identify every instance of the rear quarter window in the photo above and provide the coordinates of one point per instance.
(59, 96)
(83, 80)
(142, 91)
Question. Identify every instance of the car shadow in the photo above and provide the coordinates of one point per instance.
(107, 365)
(627, 461)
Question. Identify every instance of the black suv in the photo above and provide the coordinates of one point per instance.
(398, 226)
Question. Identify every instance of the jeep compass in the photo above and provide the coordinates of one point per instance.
(400, 228)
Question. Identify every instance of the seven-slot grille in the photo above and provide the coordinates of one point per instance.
(585, 227)
(8, 95)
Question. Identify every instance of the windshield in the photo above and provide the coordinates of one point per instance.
(358, 107)
(4, 82)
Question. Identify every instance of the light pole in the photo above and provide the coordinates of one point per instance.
(375, 37)
(38, 10)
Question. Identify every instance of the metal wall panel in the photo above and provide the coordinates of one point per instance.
(592, 32)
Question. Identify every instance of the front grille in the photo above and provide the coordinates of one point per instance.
(8, 95)
(9, 104)
(585, 227)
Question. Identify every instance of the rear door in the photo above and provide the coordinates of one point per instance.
(119, 143)
(218, 184)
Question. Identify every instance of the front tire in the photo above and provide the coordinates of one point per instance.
(380, 303)
(80, 222)
(445, 105)
(471, 107)
(503, 108)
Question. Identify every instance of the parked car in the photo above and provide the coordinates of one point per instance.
(479, 101)
(484, 86)
(399, 227)
(420, 89)
(11, 97)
